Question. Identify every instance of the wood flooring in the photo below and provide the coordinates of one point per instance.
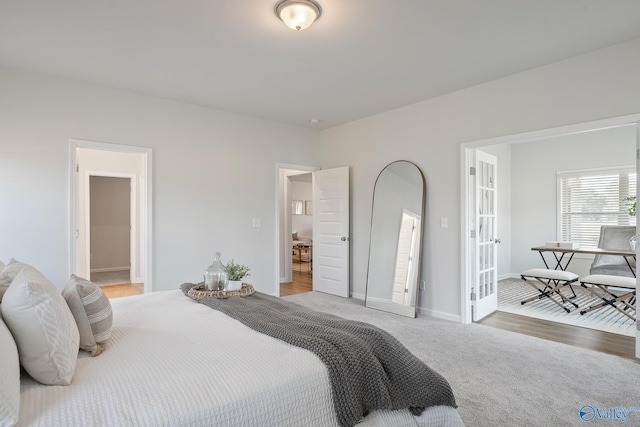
(302, 281)
(605, 342)
(123, 290)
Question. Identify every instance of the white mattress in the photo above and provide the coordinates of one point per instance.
(172, 361)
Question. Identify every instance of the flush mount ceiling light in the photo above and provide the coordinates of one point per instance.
(298, 14)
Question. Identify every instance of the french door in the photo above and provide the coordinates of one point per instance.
(485, 283)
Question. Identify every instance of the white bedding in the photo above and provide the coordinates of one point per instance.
(174, 362)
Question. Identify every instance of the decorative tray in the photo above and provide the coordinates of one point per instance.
(198, 292)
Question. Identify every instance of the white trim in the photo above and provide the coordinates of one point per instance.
(516, 138)
(465, 148)
(439, 314)
(358, 296)
(146, 182)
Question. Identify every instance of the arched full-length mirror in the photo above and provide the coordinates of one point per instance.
(396, 239)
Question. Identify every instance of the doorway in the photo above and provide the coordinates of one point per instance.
(517, 245)
(296, 230)
(329, 205)
(112, 231)
(129, 166)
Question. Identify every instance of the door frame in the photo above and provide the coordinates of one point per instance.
(133, 230)
(465, 150)
(283, 215)
(146, 180)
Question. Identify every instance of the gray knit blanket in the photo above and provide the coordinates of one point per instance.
(368, 368)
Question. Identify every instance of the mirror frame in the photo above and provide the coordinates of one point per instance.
(407, 313)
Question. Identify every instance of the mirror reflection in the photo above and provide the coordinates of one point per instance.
(296, 207)
(396, 239)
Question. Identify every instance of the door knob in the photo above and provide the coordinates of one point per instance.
(344, 239)
(498, 241)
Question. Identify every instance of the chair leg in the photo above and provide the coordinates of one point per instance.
(608, 298)
(547, 290)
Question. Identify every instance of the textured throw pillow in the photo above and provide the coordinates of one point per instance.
(92, 310)
(10, 377)
(294, 236)
(43, 327)
(8, 273)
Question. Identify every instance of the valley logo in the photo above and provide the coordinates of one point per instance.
(588, 413)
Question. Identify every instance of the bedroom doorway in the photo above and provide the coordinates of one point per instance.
(296, 230)
(96, 165)
(112, 234)
(328, 251)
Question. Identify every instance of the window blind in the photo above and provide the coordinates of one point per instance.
(590, 199)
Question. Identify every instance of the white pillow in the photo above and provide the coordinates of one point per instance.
(43, 327)
(8, 273)
(10, 378)
(4, 283)
(92, 310)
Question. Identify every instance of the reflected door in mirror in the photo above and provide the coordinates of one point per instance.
(396, 239)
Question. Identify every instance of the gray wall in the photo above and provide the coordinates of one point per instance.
(110, 223)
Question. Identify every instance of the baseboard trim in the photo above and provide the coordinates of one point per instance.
(440, 314)
(426, 311)
(104, 270)
(358, 296)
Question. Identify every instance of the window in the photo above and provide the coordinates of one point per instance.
(589, 199)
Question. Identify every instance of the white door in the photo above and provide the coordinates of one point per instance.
(485, 284)
(331, 231)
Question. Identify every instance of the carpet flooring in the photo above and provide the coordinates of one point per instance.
(608, 319)
(502, 378)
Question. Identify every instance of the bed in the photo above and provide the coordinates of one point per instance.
(174, 362)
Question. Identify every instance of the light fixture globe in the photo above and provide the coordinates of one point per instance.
(298, 14)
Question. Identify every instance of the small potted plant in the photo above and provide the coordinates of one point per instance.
(235, 274)
(632, 205)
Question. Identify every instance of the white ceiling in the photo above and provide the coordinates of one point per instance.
(360, 58)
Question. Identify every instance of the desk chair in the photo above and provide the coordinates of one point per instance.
(550, 283)
(614, 237)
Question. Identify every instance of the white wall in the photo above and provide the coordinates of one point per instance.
(301, 190)
(213, 172)
(588, 87)
(534, 186)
